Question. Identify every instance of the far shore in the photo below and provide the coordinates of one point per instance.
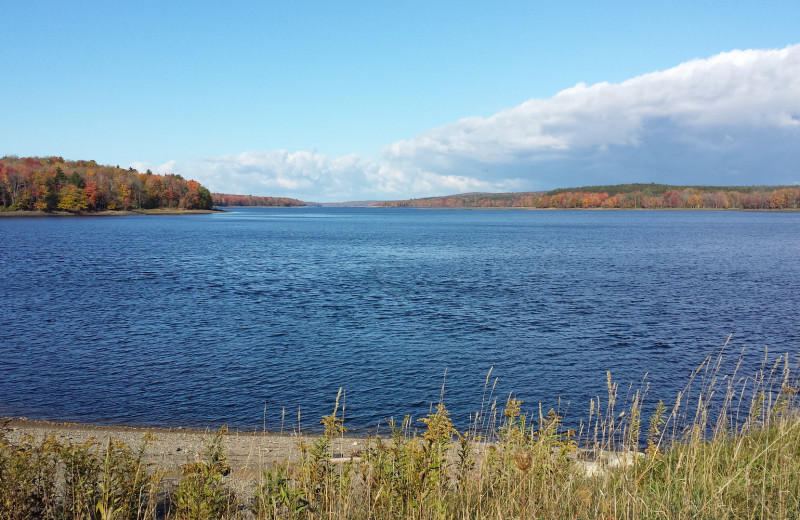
(167, 211)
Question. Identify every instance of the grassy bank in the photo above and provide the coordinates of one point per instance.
(728, 446)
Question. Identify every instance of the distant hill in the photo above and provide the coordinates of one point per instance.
(470, 200)
(645, 196)
(660, 189)
(226, 199)
(350, 204)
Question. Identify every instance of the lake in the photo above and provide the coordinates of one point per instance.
(243, 318)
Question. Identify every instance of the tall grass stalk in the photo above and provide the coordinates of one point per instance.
(727, 447)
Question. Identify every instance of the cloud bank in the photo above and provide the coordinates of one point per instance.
(312, 176)
(733, 118)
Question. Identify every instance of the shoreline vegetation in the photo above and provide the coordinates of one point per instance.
(52, 186)
(226, 199)
(623, 196)
(728, 446)
(108, 213)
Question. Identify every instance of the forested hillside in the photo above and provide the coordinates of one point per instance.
(51, 183)
(645, 196)
(226, 199)
(470, 200)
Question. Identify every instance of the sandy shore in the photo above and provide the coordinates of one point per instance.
(249, 453)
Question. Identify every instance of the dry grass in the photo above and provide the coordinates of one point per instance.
(728, 447)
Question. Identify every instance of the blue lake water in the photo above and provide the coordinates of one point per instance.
(207, 320)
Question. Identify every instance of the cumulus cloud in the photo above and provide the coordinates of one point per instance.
(313, 176)
(304, 174)
(161, 169)
(733, 118)
(697, 109)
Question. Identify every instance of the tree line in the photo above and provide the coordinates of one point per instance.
(227, 199)
(51, 183)
(630, 196)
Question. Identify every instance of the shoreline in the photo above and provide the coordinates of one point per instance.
(249, 453)
(110, 213)
(529, 208)
(164, 211)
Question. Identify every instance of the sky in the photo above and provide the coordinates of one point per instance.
(375, 100)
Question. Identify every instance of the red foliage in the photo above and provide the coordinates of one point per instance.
(39, 183)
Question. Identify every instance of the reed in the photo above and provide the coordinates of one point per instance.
(728, 446)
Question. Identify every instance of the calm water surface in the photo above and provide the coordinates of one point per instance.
(203, 320)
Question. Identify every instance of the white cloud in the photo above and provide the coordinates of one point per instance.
(312, 176)
(167, 167)
(753, 89)
(733, 118)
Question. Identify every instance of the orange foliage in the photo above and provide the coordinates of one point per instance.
(782, 198)
(51, 183)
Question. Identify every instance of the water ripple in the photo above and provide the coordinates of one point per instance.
(201, 321)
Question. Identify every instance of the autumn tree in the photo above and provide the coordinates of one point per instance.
(694, 201)
(42, 184)
(94, 197)
(153, 191)
(73, 198)
(125, 196)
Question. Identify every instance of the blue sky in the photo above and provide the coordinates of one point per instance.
(333, 101)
